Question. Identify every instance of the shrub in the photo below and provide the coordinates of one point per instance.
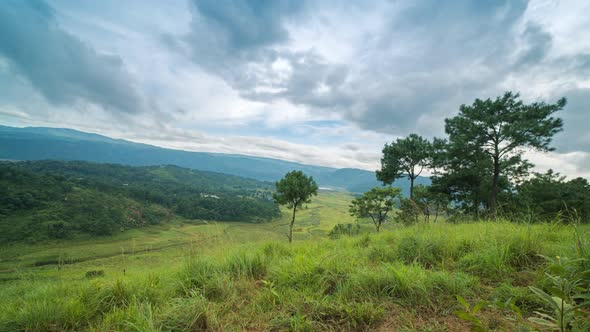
(344, 230)
(409, 212)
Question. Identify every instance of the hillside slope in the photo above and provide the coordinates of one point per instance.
(245, 277)
(55, 199)
(36, 143)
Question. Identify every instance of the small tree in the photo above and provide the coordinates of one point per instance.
(422, 198)
(409, 211)
(429, 201)
(405, 157)
(294, 190)
(375, 203)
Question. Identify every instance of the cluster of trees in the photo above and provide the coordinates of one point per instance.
(479, 169)
(53, 199)
(549, 196)
(39, 206)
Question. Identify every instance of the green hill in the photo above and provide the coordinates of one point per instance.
(54, 199)
(35, 143)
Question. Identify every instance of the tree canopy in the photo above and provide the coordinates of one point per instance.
(376, 204)
(490, 136)
(55, 199)
(405, 157)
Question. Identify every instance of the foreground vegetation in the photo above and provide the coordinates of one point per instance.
(245, 277)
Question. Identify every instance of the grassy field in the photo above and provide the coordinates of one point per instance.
(315, 220)
(192, 276)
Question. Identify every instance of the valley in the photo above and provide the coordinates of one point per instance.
(236, 276)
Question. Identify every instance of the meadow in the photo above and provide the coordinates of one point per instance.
(191, 275)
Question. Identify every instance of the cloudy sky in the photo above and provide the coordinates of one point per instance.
(319, 82)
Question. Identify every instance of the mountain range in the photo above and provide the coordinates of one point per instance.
(40, 143)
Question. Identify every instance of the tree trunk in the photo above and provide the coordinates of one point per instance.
(411, 187)
(495, 184)
(375, 222)
(292, 223)
(476, 205)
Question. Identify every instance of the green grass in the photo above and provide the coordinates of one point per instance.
(192, 276)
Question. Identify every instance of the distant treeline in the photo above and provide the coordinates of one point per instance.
(54, 199)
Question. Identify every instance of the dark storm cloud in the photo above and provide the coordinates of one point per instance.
(537, 43)
(227, 33)
(62, 68)
(245, 24)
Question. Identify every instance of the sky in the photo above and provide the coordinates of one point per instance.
(319, 82)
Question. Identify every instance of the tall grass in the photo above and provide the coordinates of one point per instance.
(350, 283)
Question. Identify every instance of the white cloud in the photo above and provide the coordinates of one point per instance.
(324, 83)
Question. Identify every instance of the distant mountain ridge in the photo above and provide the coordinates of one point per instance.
(38, 143)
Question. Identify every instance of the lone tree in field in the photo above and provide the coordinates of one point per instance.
(405, 157)
(375, 203)
(294, 190)
(500, 130)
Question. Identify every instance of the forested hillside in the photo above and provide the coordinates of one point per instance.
(51, 199)
(37, 143)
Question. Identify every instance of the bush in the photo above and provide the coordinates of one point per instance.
(409, 212)
(344, 230)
